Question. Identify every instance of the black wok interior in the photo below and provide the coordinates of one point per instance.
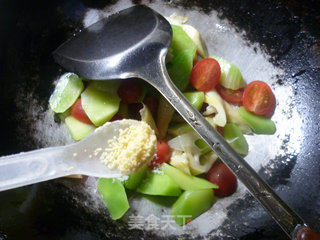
(30, 30)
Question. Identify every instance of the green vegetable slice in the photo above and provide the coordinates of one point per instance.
(159, 184)
(78, 129)
(100, 106)
(195, 98)
(114, 196)
(185, 181)
(180, 67)
(135, 178)
(67, 91)
(191, 204)
(230, 75)
(258, 124)
(233, 134)
(180, 41)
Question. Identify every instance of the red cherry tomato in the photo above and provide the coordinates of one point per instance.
(152, 104)
(258, 98)
(221, 175)
(231, 96)
(163, 154)
(77, 112)
(205, 74)
(220, 130)
(129, 91)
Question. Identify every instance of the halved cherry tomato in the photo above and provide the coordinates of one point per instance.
(205, 74)
(221, 175)
(258, 98)
(231, 96)
(163, 154)
(77, 112)
(129, 91)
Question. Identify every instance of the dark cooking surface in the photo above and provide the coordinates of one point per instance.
(31, 31)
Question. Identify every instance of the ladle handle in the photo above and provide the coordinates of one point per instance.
(26, 168)
(288, 220)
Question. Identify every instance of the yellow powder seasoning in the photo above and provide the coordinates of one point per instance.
(133, 148)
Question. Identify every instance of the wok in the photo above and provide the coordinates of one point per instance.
(286, 33)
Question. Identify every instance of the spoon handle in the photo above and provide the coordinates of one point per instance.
(288, 220)
(31, 167)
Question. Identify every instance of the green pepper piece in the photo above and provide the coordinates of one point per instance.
(191, 204)
(258, 124)
(180, 67)
(185, 181)
(195, 98)
(114, 196)
(159, 184)
(135, 178)
(67, 91)
(233, 134)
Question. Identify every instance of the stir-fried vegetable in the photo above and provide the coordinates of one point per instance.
(191, 204)
(258, 124)
(230, 75)
(232, 133)
(180, 67)
(114, 197)
(185, 181)
(159, 184)
(68, 89)
(135, 178)
(195, 98)
(215, 106)
(78, 129)
(99, 106)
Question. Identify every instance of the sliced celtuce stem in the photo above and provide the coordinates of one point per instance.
(67, 91)
(78, 129)
(230, 75)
